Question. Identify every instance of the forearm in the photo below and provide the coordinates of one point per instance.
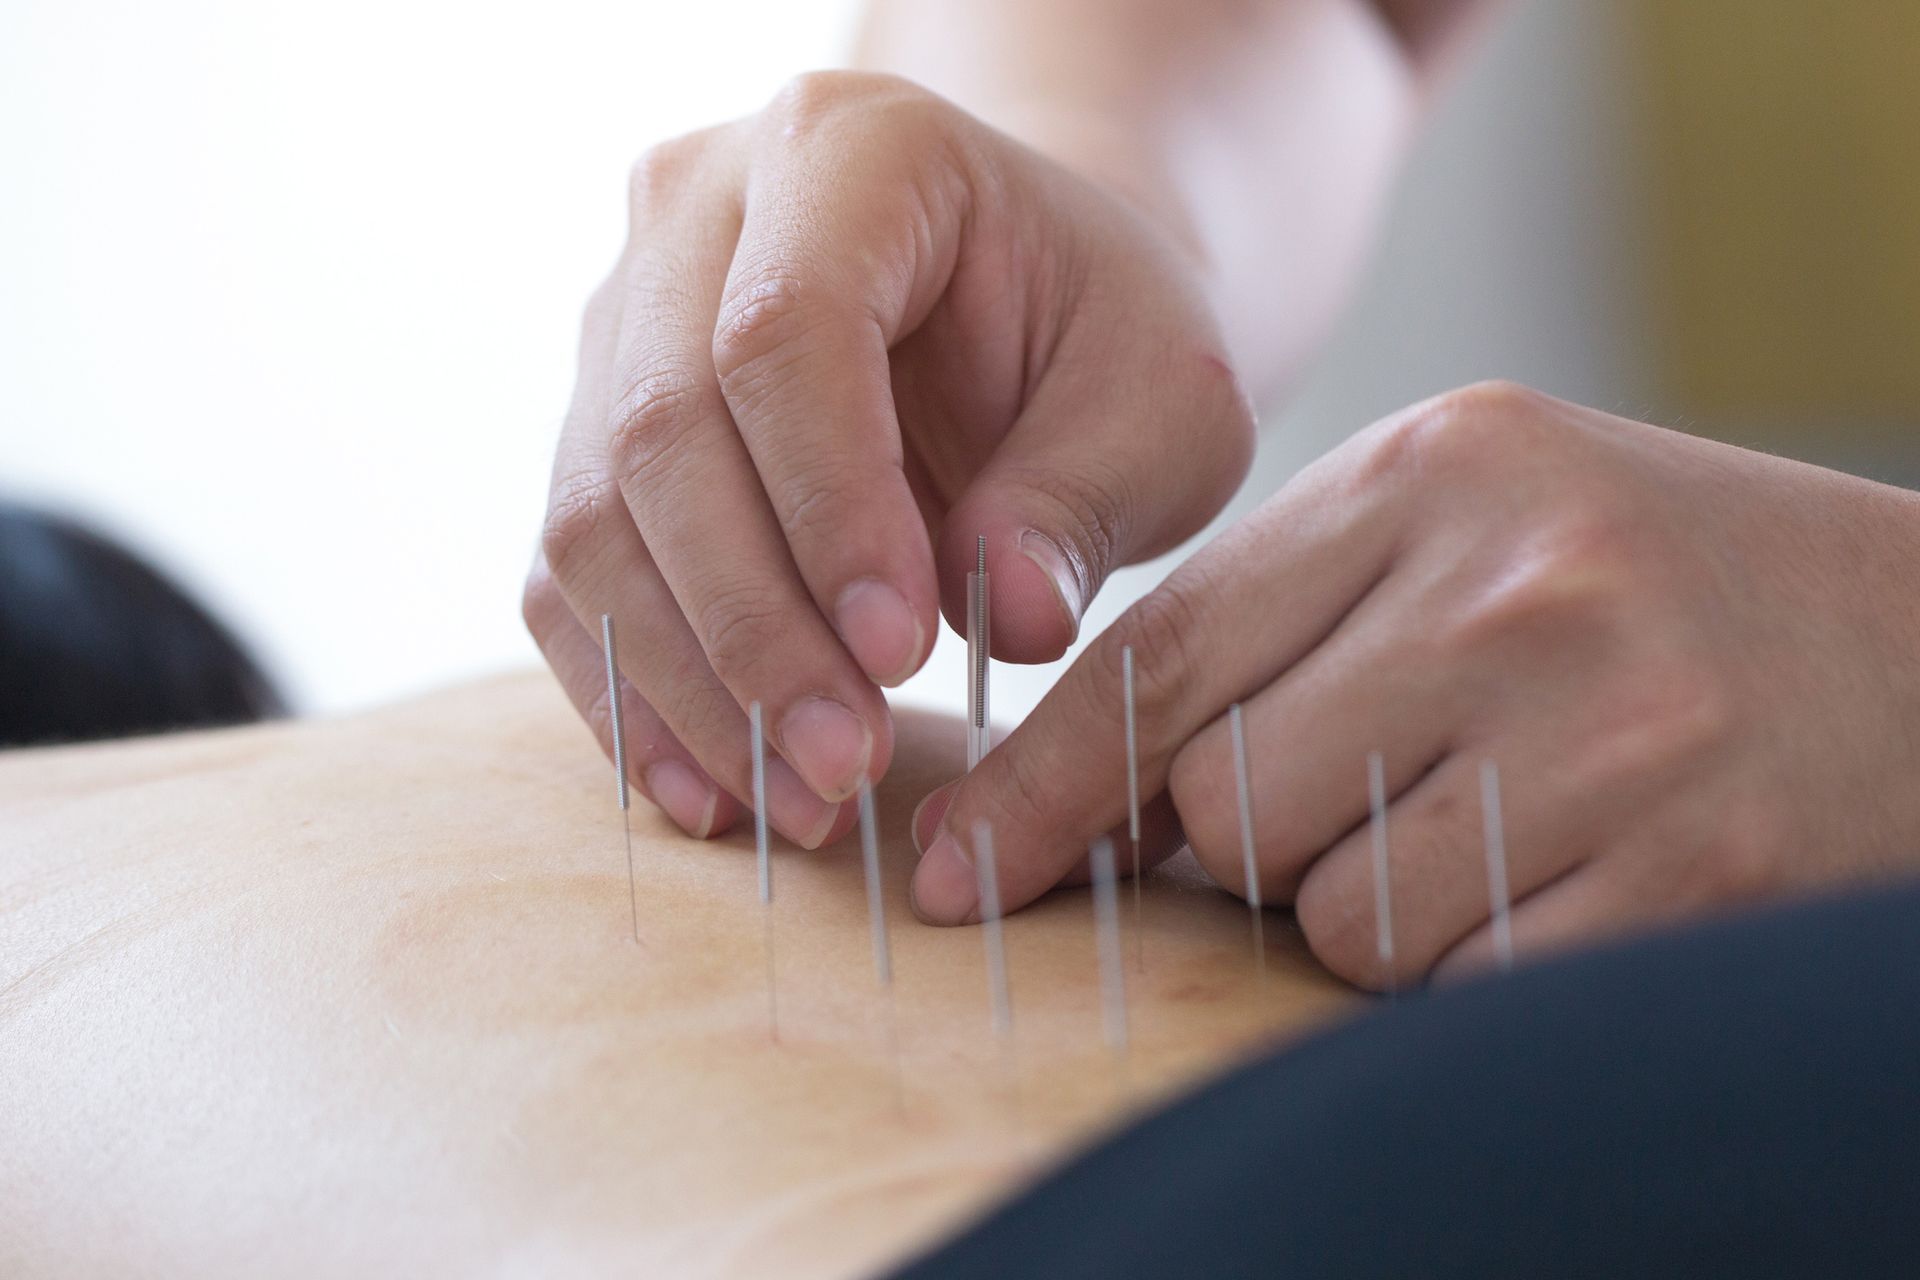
(1262, 136)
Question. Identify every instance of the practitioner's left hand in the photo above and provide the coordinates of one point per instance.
(1695, 666)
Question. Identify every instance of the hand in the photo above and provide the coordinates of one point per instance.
(845, 330)
(1693, 664)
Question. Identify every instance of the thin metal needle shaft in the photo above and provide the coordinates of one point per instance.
(618, 718)
(1106, 927)
(1133, 799)
(877, 920)
(1382, 884)
(998, 991)
(979, 651)
(766, 861)
(1249, 868)
(1496, 863)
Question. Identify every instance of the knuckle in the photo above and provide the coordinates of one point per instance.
(763, 316)
(1587, 538)
(650, 416)
(1672, 713)
(740, 627)
(575, 511)
(662, 171)
(1465, 427)
(812, 94)
(1577, 574)
(819, 499)
(1162, 629)
(1021, 797)
(1692, 699)
(1699, 711)
(1009, 793)
(700, 712)
(1660, 719)
(1747, 852)
(1727, 855)
(1492, 398)
(812, 98)
(1722, 871)
(1446, 819)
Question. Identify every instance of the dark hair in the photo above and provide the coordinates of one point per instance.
(95, 643)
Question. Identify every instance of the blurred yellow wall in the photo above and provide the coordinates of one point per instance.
(1783, 140)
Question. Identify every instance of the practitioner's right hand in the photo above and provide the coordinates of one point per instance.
(845, 336)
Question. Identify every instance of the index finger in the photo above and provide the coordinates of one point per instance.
(1226, 623)
(841, 253)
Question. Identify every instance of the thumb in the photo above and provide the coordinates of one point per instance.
(1095, 474)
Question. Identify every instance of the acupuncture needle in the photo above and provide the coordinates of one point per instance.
(979, 650)
(877, 920)
(1248, 868)
(620, 760)
(1106, 928)
(1382, 887)
(998, 992)
(1133, 799)
(766, 862)
(1496, 863)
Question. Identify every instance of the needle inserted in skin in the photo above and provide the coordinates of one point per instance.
(1106, 927)
(1382, 885)
(620, 759)
(877, 920)
(766, 861)
(998, 990)
(979, 650)
(1496, 863)
(1133, 799)
(1248, 866)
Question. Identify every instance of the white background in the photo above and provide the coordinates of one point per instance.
(288, 294)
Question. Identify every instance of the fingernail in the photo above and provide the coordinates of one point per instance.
(687, 798)
(802, 816)
(828, 744)
(927, 814)
(1046, 553)
(945, 889)
(880, 629)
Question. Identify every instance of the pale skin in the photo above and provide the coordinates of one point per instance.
(852, 333)
(1024, 288)
(361, 996)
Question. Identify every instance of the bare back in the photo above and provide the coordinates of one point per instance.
(326, 996)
